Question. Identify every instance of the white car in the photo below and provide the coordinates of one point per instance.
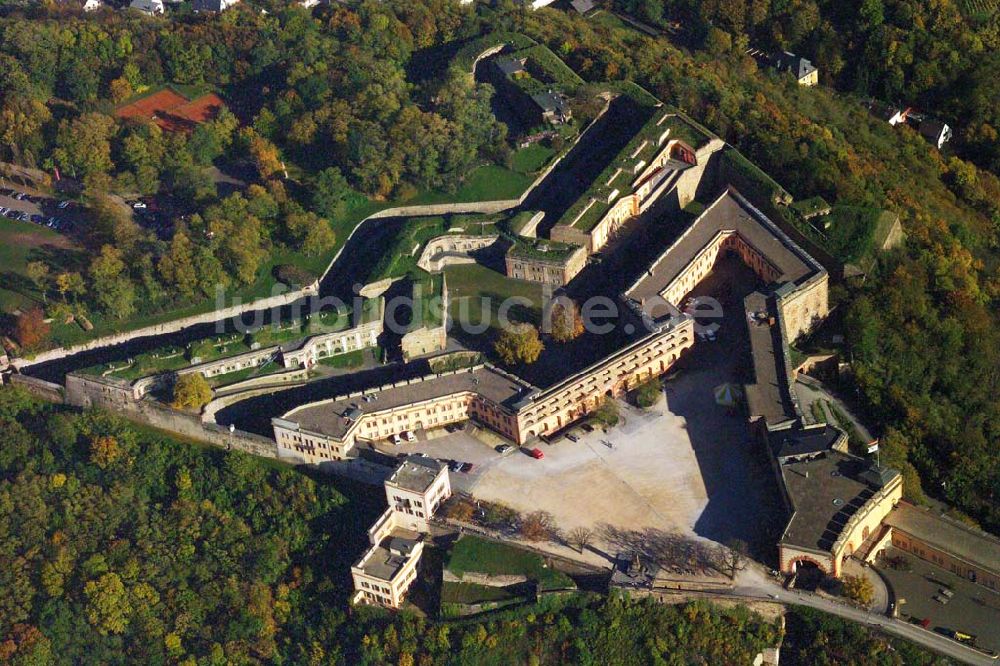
(409, 436)
(396, 440)
(138, 205)
(64, 204)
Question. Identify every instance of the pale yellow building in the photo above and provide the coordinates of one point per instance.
(330, 429)
(415, 491)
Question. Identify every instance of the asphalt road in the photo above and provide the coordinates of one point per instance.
(755, 584)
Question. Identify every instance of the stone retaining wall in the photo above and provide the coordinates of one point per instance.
(451, 249)
(168, 327)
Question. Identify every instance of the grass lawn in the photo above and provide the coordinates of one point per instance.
(489, 557)
(351, 359)
(531, 159)
(485, 183)
(21, 242)
(470, 284)
(470, 593)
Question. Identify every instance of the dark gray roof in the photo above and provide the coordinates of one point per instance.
(729, 212)
(933, 129)
(770, 396)
(582, 6)
(335, 417)
(550, 101)
(825, 492)
(416, 473)
(797, 65)
(510, 66)
(805, 441)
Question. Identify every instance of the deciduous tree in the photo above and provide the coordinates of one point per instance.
(518, 343)
(191, 391)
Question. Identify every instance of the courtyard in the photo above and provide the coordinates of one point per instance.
(685, 467)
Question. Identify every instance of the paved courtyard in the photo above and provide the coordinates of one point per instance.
(973, 609)
(685, 466)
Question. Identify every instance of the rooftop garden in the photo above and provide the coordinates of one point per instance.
(541, 249)
(620, 172)
(428, 300)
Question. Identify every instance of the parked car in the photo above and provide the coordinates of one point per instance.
(11, 214)
(409, 436)
(587, 427)
(38, 219)
(571, 437)
(504, 449)
(467, 467)
(536, 454)
(3, 211)
(454, 465)
(138, 205)
(64, 204)
(396, 440)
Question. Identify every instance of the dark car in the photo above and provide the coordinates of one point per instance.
(467, 467)
(573, 438)
(587, 427)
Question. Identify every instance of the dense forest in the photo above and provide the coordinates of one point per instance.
(121, 545)
(940, 57)
(321, 116)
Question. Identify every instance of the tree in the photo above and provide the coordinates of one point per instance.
(580, 537)
(859, 589)
(312, 233)
(83, 145)
(108, 607)
(112, 288)
(177, 266)
(331, 193)
(718, 42)
(104, 451)
(70, 283)
(191, 391)
(519, 343)
(731, 557)
(566, 321)
(30, 328)
(607, 412)
(648, 393)
(537, 526)
(38, 273)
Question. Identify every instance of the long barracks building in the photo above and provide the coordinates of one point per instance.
(330, 429)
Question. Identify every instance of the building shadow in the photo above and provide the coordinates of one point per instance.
(742, 494)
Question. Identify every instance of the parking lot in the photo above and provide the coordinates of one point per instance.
(972, 608)
(55, 214)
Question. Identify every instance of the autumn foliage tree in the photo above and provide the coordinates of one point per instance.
(191, 391)
(565, 321)
(518, 343)
(30, 328)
